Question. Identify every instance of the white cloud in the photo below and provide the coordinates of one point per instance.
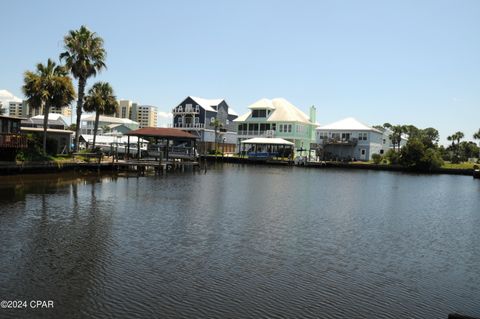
(164, 119)
(6, 96)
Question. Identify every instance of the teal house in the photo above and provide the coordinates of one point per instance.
(280, 119)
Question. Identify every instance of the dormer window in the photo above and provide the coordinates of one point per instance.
(259, 113)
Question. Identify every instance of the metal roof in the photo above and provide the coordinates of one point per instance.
(347, 124)
(267, 140)
(162, 132)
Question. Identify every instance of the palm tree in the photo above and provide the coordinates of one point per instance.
(477, 135)
(459, 136)
(84, 57)
(217, 124)
(49, 86)
(101, 100)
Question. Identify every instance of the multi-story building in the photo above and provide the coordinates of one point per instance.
(145, 115)
(16, 108)
(124, 109)
(277, 118)
(24, 110)
(202, 117)
(350, 139)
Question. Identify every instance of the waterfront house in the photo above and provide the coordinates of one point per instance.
(88, 123)
(59, 139)
(277, 118)
(197, 116)
(55, 121)
(350, 139)
(11, 139)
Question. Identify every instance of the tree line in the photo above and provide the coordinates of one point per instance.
(50, 84)
(422, 150)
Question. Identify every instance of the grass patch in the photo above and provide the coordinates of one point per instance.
(464, 165)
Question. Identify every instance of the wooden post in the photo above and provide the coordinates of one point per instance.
(127, 156)
(166, 150)
(138, 147)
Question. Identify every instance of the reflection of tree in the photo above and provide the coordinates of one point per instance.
(61, 247)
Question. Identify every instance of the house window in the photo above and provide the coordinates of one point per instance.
(323, 135)
(259, 113)
(362, 136)
(280, 128)
(289, 128)
(363, 151)
(381, 152)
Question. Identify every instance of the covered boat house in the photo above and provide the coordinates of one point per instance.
(165, 143)
(267, 148)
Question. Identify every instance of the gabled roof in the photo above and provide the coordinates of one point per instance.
(282, 111)
(347, 124)
(208, 104)
(110, 119)
(267, 141)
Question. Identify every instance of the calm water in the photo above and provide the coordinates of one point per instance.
(242, 242)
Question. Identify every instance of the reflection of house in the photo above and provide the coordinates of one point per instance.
(277, 118)
(196, 116)
(10, 138)
(88, 123)
(61, 138)
(351, 139)
(55, 121)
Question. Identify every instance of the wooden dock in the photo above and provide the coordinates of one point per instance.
(159, 167)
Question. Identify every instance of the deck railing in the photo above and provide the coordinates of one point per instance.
(13, 140)
(188, 125)
(340, 141)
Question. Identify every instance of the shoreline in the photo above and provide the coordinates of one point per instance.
(8, 169)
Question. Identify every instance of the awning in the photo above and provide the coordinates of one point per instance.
(267, 141)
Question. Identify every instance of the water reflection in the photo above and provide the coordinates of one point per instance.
(243, 242)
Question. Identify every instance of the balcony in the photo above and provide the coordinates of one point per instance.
(12, 140)
(188, 125)
(340, 141)
(186, 110)
(268, 133)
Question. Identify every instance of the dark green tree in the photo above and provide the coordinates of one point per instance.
(84, 57)
(102, 101)
(48, 86)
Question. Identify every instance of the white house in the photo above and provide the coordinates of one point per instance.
(352, 139)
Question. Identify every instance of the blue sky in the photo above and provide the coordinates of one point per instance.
(403, 62)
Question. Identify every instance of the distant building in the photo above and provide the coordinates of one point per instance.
(24, 110)
(351, 139)
(277, 118)
(124, 109)
(87, 123)
(196, 116)
(145, 115)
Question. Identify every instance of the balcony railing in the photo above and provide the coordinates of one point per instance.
(12, 140)
(187, 125)
(187, 110)
(268, 133)
(340, 141)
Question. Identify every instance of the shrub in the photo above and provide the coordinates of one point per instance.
(392, 156)
(377, 158)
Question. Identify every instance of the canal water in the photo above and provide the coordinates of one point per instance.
(242, 242)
